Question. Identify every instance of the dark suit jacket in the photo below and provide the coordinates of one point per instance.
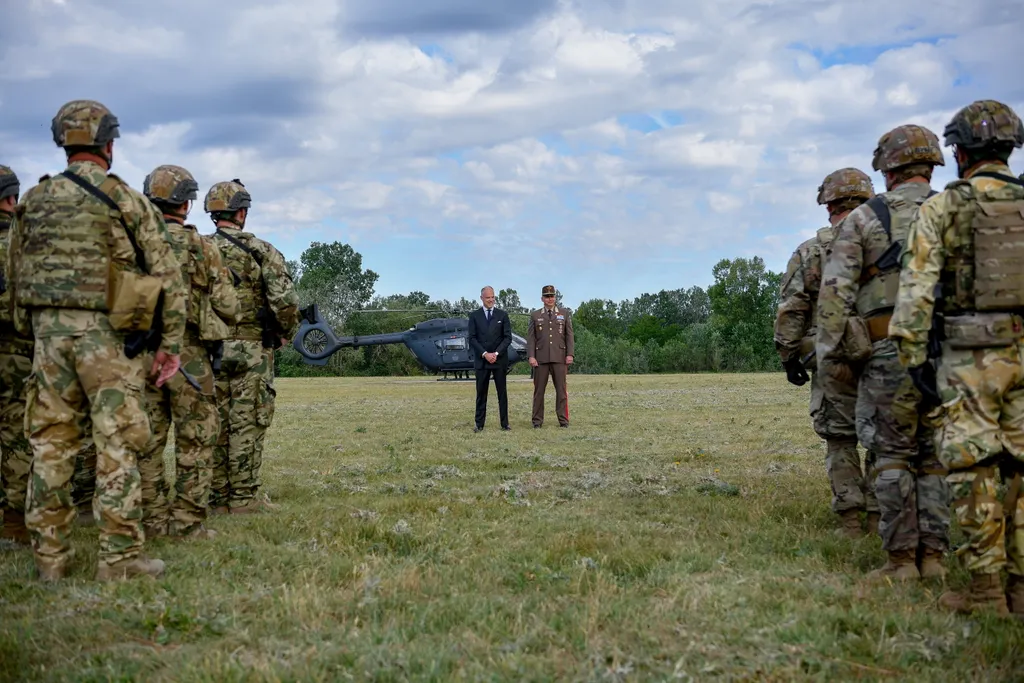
(489, 337)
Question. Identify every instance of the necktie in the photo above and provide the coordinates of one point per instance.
(488, 315)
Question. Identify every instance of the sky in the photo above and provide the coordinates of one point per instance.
(608, 147)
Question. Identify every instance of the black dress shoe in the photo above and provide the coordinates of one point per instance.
(477, 429)
(536, 426)
(506, 428)
(565, 426)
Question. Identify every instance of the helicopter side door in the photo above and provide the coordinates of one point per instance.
(454, 351)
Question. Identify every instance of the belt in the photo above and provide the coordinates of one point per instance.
(878, 327)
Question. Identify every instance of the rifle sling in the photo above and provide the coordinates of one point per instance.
(140, 257)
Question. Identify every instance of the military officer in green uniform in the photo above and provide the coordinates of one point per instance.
(550, 343)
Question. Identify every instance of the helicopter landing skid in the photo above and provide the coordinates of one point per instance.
(460, 376)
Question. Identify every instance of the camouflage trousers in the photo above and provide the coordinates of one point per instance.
(913, 496)
(73, 377)
(16, 454)
(982, 415)
(245, 402)
(196, 423)
(833, 407)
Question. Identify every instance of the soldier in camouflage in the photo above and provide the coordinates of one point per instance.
(89, 258)
(269, 311)
(963, 265)
(187, 398)
(858, 291)
(15, 367)
(833, 395)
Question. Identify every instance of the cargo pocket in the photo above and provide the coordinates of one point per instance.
(954, 447)
(265, 400)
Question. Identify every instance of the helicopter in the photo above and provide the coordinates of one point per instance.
(440, 345)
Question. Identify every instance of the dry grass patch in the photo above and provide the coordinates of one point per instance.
(679, 530)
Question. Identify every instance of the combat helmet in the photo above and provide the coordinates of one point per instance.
(169, 184)
(84, 123)
(846, 183)
(982, 124)
(905, 145)
(9, 185)
(227, 196)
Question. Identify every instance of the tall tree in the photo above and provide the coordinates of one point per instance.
(332, 275)
(744, 298)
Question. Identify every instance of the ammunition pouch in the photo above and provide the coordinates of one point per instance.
(983, 330)
(140, 341)
(878, 327)
(211, 326)
(132, 301)
(855, 345)
(807, 353)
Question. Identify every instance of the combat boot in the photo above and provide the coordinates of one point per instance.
(85, 516)
(254, 506)
(931, 564)
(849, 524)
(199, 532)
(901, 566)
(1015, 595)
(14, 528)
(133, 566)
(984, 593)
(872, 523)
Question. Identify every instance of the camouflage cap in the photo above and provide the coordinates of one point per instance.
(170, 184)
(548, 289)
(9, 184)
(984, 123)
(229, 195)
(906, 145)
(84, 123)
(846, 183)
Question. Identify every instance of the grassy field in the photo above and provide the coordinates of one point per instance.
(679, 530)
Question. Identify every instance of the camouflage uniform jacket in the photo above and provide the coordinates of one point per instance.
(11, 340)
(150, 233)
(198, 252)
(861, 240)
(280, 291)
(928, 243)
(796, 320)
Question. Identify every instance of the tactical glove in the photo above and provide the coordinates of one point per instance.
(924, 379)
(795, 372)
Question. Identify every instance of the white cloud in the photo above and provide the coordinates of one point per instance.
(598, 128)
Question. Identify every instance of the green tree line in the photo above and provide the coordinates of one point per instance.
(724, 328)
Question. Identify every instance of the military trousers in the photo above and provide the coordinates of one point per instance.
(833, 415)
(557, 372)
(981, 416)
(193, 411)
(913, 496)
(75, 376)
(15, 452)
(245, 402)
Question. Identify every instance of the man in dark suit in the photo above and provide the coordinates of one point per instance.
(490, 333)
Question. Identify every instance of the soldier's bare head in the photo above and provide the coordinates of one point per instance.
(487, 296)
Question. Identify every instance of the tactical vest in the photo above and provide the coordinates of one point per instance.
(984, 271)
(71, 244)
(877, 294)
(6, 323)
(249, 290)
(812, 261)
(188, 249)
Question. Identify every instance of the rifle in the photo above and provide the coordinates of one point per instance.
(270, 332)
(888, 260)
(215, 350)
(937, 334)
(147, 340)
